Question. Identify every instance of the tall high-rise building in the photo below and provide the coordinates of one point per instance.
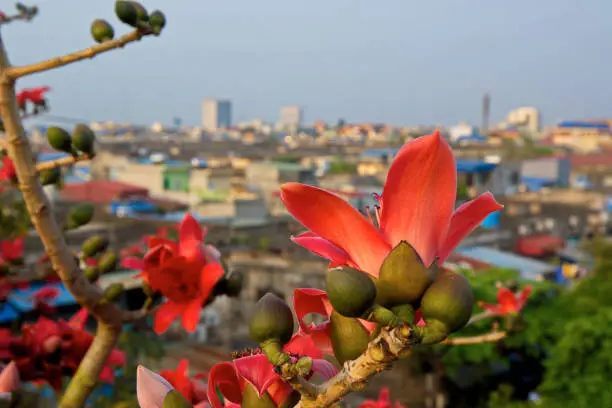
(486, 111)
(216, 114)
(290, 117)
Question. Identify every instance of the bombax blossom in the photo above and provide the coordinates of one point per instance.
(508, 302)
(185, 273)
(383, 401)
(152, 388)
(417, 206)
(253, 376)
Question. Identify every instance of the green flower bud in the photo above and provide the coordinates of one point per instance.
(92, 273)
(348, 337)
(102, 31)
(351, 292)
(80, 215)
(446, 307)
(108, 262)
(143, 16)
(127, 12)
(174, 399)
(51, 176)
(157, 19)
(271, 320)
(83, 138)
(403, 278)
(94, 246)
(112, 292)
(59, 139)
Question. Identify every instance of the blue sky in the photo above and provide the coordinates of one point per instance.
(395, 61)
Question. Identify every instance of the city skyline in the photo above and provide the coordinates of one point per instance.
(407, 63)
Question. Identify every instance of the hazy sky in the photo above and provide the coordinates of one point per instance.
(396, 61)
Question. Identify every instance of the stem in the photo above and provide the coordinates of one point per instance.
(86, 377)
(63, 162)
(478, 317)
(17, 72)
(491, 337)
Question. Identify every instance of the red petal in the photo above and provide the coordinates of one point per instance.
(323, 248)
(419, 195)
(279, 391)
(191, 315)
(132, 263)
(190, 237)
(384, 395)
(107, 375)
(307, 301)
(303, 346)
(493, 309)
(467, 217)
(524, 296)
(210, 275)
(257, 371)
(78, 320)
(334, 219)
(166, 314)
(224, 377)
(117, 358)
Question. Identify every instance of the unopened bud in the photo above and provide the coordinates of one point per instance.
(351, 292)
(303, 366)
(80, 215)
(51, 176)
(127, 13)
(141, 11)
(174, 399)
(108, 262)
(94, 246)
(157, 19)
(83, 138)
(102, 31)
(59, 139)
(271, 320)
(113, 291)
(92, 273)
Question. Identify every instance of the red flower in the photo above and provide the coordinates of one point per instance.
(11, 250)
(256, 371)
(507, 301)
(194, 390)
(383, 401)
(7, 172)
(42, 297)
(417, 206)
(34, 95)
(185, 273)
(314, 301)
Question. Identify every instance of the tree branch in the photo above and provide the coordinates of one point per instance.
(491, 337)
(86, 377)
(18, 72)
(63, 162)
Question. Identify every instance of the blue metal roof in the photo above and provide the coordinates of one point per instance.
(7, 313)
(21, 299)
(586, 125)
(473, 166)
(528, 268)
(537, 183)
(43, 157)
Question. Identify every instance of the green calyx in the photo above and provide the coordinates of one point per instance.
(127, 12)
(51, 176)
(174, 399)
(59, 139)
(102, 31)
(141, 12)
(271, 320)
(250, 399)
(403, 277)
(351, 292)
(83, 139)
(79, 215)
(94, 246)
(92, 273)
(348, 337)
(446, 306)
(108, 262)
(112, 292)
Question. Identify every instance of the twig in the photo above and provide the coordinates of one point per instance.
(20, 16)
(63, 162)
(491, 337)
(479, 317)
(18, 72)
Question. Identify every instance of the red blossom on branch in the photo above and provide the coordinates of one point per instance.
(417, 206)
(508, 302)
(383, 401)
(194, 390)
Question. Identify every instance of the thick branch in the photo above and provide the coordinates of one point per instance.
(17, 72)
(86, 376)
(63, 162)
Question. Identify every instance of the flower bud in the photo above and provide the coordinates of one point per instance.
(83, 138)
(174, 399)
(102, 31)
(92, 273)
(351, 292)
(157, 19)
(80, 215)
(59, 139)
(51, 176)
(403, 277)
(108, 262)
(141, 11)
(94, 246)
(446, 307)
(112, 292)
(127, 12)
(234, 283)
(348, 337)
(271, 320)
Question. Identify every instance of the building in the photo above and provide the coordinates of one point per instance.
(290, 117)
(524, 118)
(216, 114)
(582, 136)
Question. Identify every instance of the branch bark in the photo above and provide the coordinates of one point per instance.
(63, 162)
(18, 72)
(491, 337)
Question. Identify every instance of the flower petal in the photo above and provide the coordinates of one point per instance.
(324, 368)
(323, 248)
(303, 345)
(307, 301)
(107, 375)
(257, 371)
(334, 219)
(523, 296)
(151, 388)
(190, 238)
(464, 220)
(134, 263)
(223, 376)
(211, 274)
(78, 320)
(165, 315)
(191, 315)
(9, 378)
(419, 195)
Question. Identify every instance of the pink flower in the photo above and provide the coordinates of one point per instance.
(152, 388)
(9, 378)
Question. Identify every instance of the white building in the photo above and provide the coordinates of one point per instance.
(216, 114)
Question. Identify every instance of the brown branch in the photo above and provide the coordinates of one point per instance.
(20, 16)
(491, 337)
(63, 162)
(18, 72)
